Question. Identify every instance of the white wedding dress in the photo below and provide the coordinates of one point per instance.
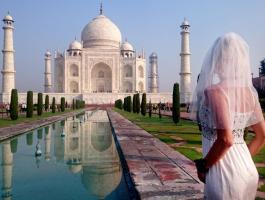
(235, 176)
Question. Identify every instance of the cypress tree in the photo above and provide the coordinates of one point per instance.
(137, 98)
(159, 110)
(73, 104)
(134, 103)
(143, 104)
(13, 144)
(62, 104)
(39, 131)
(53, 105)
(47, 103)
(29, 139)
(14, 105)
(176, 104)
(125, 103)
(150, 108)
(40, 104)
(29, 104)
(46, 129)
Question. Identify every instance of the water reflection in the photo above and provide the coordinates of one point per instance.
(86, 148)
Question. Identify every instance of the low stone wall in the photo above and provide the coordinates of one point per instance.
(91, 98)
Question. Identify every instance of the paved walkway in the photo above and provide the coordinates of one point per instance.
(158, 171)
(11, 131)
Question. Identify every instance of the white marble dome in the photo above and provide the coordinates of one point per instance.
(126, 46)
(101, 32)
(8, 18)
(75, 45)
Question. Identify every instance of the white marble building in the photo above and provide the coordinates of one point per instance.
(100, 63)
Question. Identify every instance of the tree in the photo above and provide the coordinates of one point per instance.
(29, 104)
(143, 104)
(176, 104)
(62, 104)
(137, 98)
(73, 104)
(150, 108)
(14, 105)
(47, 102)
(53, 105)
(134, 103)
(29, 138)
(159, 110)
(40, 104)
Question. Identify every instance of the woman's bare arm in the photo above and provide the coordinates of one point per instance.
(258, 142)
(221, 145)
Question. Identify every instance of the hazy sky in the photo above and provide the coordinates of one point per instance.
(149, 24)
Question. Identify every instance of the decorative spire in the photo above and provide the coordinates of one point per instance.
(101, 8)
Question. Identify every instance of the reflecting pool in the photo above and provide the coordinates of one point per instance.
(72, 159)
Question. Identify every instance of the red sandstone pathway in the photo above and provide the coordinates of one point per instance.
(158, 171)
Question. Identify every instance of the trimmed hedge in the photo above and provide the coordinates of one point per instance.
(47, 103)
(137, 99)
(150, 108)
(176, 104)
(40, 104)
(14, 105)
(118, 104)
(62, 104)
(53, 105)
(143, 104)
(29, 104)
(134, 103)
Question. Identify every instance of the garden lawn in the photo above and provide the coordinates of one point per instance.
(184, 137)
(5, 122)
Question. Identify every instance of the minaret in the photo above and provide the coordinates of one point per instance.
(8, 71)
(48, 73)
(47, 140)
(185, 73)
(153, 74)
(7, 168)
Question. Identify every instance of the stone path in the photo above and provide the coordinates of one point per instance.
(11, 131)
(158, 171)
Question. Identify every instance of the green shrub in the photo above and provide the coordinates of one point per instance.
(159, 110)
(47, 103)
(29, 137)
(134, 103)
(137, 99)
(53, 105)
(29, 104)
(39, 131)
(62, 104)
(13, 144)
(176, 104)
(143, 104)
(150, 108)
(14, 105)
(40, 104)
(129, 104)
(46, 129)
(73, 104)
(118, 104)
(262, 103)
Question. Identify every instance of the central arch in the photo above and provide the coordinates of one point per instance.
(101, 78)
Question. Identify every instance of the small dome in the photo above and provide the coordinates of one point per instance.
(101, 32)
(8, 18)
(126, 46)
(185, 23)
(48, 54)
(153, 55)
(75, 168)
(75, 45)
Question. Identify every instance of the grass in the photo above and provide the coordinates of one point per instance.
(5, 122)
(262, 188)
(183, 137)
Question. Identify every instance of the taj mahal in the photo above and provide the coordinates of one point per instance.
(100, 68)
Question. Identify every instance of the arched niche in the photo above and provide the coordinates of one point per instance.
(74, 87)
(74, 70)
(101, 78)
(128, 72)
(127, 87)
(141, 71)
(140, 86)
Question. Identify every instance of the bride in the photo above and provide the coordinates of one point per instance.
(225, 103)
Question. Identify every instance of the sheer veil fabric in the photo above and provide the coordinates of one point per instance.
(225, 86)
